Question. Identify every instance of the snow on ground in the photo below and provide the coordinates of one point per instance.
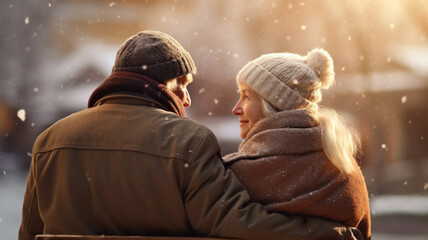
(413, 205)
(12, 186)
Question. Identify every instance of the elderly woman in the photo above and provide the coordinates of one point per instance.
(296, 157)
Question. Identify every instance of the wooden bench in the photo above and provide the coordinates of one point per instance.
(103, 237)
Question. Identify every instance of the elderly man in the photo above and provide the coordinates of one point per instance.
(133, 164)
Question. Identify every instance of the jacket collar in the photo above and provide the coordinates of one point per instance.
(129, 99)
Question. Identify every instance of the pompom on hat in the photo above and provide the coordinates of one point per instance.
(154, 54)
(289, 81)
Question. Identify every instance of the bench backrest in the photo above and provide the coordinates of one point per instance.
(102, 237)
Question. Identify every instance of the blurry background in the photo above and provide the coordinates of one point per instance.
(54, 54)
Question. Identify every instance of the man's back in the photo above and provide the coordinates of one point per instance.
(117, 169)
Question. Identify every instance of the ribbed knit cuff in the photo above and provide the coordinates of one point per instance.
(271, 88)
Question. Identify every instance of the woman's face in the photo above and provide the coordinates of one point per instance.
(248, 108)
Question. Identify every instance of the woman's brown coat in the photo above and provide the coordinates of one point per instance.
(283, 166)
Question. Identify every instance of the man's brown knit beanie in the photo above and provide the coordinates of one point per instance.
(154, 54)
(289, 81)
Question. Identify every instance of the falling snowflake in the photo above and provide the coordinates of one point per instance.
(403, 99)
(112, 4)
(201, 90)
(215, 101)
(27, 20)
(21, 114)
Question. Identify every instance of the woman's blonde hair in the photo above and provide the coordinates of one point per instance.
(340, 139)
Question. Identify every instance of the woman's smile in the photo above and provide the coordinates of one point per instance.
(248, 108)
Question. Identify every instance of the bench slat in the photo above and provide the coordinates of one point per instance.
(103, 237)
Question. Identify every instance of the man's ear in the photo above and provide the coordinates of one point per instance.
(182, 79)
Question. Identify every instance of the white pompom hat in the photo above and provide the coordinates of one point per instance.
(289, 81)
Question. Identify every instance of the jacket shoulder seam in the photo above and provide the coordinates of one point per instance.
(104, 148)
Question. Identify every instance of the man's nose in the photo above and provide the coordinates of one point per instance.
(187, 101)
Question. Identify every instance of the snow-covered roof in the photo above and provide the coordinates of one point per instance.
(94, 54)
(56, 94)
(415, 58)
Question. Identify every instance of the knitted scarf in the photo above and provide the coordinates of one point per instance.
(286, 132)
(283, 165)
(140, 84)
